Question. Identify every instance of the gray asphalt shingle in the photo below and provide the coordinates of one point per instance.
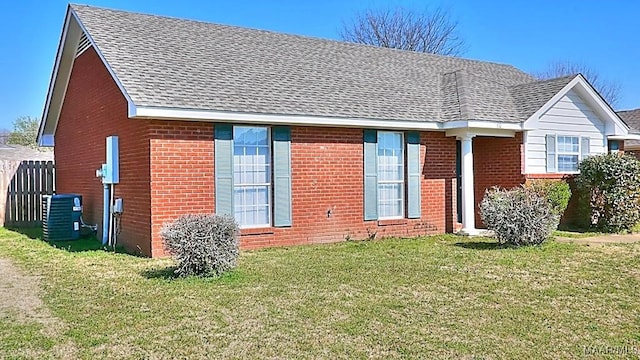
(175, 63)
(632, 119)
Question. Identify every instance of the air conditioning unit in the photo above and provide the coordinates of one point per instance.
(61, 217)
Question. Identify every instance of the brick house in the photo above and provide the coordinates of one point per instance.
(303, 140)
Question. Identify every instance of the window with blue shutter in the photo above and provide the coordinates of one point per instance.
(391, 175)
(244, 165)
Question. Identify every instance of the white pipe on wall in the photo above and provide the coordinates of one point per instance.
(111, 242)
(105, 215)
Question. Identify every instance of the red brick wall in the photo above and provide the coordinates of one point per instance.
(182, 177)
(327, 174)
(167, 169)
(94, 108)
(496, 162)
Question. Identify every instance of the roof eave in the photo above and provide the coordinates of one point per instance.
(65, 57)
(166, 113)
(55, 79)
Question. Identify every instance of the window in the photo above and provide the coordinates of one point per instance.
(568, 153)
(390, 174)
(251, 176)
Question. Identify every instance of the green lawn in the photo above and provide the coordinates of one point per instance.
(575, 234)
(436, 297)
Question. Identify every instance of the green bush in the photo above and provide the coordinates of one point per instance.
(203, 245)
(610, 185)
(519, 216)
(557, 193)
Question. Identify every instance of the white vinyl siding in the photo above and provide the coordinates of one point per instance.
(252, 176)
(390, 175)
(570, 116)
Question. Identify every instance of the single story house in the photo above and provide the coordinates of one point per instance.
(303, 140)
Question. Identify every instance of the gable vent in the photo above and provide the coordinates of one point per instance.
(83, 44)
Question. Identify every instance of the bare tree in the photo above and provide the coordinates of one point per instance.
(608, 89)
(433, 32)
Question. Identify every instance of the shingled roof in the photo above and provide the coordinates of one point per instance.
(183, 64)
(632, 119)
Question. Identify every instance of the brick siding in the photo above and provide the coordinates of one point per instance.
(94, 108)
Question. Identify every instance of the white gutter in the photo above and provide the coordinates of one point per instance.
(624, 137)
(160, 113)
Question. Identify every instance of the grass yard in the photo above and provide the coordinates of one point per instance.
(435, 297)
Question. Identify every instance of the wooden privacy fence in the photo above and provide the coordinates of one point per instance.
(31, 180)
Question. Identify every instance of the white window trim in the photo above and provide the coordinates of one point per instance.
(579, 153)
(402, 182)
(269, 185)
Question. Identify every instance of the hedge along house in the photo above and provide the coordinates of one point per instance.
(303, 140)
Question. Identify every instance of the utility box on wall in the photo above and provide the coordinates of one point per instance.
(111, 169)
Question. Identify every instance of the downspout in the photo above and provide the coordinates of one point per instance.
(110, 212)
(106, 213)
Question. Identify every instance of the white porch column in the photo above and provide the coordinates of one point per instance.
(468, 201)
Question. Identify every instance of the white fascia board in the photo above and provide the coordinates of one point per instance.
(142, 112)
(624, 137)
(483, 124)
(473, 132)
(54, 77)
(160, 113)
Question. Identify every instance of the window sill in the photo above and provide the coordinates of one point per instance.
(550, 175)
(256, 231)
(389, 222)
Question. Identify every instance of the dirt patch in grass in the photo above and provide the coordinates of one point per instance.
(19, 299)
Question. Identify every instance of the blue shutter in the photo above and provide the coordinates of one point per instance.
(551, 153)
(224, 169)
(413, 175)
(585, 147)
(370, 175)
(282, 176)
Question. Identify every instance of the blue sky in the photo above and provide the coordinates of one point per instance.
(527, 34)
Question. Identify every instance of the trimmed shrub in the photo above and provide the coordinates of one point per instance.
(610, 187)
(557, 193)
(519, 216)
(203, 245)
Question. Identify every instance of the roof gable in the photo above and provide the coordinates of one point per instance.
(581, 87)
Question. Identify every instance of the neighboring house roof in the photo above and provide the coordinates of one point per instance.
(22, 153)
(180, 65)
(632, 119)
